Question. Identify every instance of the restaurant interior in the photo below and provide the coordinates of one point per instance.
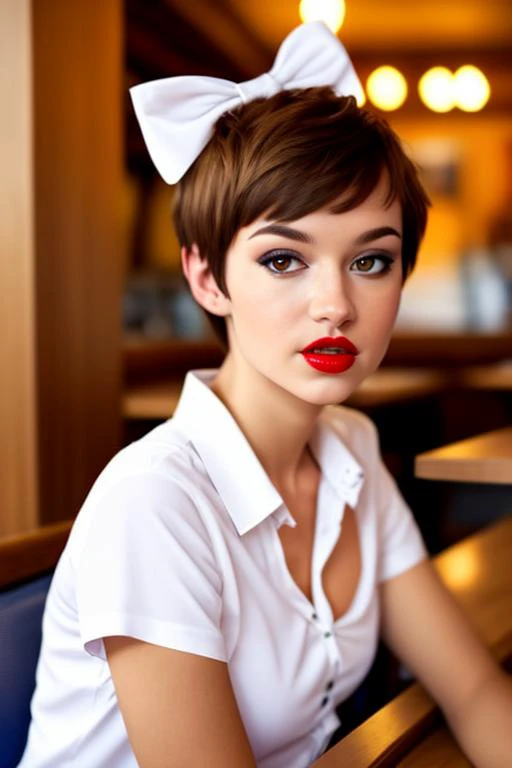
(100, 328)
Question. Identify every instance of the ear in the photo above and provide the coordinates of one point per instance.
(202, 284)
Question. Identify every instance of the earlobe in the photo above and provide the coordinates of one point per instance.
(203, 285)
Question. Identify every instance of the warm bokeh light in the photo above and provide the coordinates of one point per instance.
(471, 88)
(464, 571)
(360, 98)
(330, 11)
(436, 89)
(386, 88)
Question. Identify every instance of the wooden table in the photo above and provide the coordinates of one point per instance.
(483, 459)
(389, 386)
(409, 729)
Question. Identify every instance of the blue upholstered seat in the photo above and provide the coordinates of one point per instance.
(21, 611)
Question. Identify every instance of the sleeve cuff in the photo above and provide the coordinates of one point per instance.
(203, 642)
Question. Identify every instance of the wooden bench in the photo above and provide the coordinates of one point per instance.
(410, 728)
(27, 555)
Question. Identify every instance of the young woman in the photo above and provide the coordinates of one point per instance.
(226, 582)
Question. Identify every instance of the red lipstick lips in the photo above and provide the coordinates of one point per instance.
(330, 355)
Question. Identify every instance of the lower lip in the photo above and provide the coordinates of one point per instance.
(329, 363)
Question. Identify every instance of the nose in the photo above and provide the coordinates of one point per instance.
(331, 300)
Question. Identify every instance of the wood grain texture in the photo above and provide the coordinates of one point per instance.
(439, 749)
(78, 96)
(483, 459)
(18, 431)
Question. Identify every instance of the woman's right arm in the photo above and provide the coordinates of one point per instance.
(179, 708)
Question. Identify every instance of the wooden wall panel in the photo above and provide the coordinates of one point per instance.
(18, 497)
(77, 72)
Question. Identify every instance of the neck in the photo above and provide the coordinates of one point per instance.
(277, 424)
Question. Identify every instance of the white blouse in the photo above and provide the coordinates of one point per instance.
(177, 545)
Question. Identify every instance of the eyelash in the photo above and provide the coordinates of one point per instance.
(271, 258)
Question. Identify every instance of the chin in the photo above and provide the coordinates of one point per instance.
(329, 390)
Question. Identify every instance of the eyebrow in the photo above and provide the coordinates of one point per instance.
(282, 230)
(376, 234)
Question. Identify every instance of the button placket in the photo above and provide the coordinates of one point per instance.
(334, 661)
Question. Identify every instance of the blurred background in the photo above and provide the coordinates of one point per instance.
(459, 132)
(98, 327)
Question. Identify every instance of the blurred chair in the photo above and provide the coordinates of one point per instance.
(26, 565)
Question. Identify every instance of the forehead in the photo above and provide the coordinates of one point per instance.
(378, 209)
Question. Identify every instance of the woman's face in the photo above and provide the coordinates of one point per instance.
(312, 303)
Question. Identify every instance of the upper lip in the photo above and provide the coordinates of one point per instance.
(330, 341)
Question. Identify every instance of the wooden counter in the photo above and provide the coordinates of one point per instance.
(486, 458)
(477, 571)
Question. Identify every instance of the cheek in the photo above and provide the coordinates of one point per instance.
(266, 307)
(383, 310)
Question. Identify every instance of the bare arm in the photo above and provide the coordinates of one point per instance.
(179, 708)
(424, 626)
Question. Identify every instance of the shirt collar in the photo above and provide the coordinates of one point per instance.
(343, 473)
(242, 483)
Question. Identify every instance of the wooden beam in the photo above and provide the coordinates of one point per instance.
(77, 76)
(18, 484)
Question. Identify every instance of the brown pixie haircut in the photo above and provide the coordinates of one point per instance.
(287, 156)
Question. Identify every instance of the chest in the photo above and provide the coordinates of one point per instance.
(339, 553)
(294, 659)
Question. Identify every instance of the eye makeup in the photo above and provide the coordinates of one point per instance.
(279, 261)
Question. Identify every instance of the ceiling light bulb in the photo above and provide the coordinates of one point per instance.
(436, 89)
(386, 88)
(472, 89)
(332, 12)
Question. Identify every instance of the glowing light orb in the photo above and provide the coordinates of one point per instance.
(332, 12)
(387, 88)
(471, 87)
(436, 89)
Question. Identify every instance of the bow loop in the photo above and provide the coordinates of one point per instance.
(177, 114)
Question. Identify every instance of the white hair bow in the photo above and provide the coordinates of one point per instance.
(177, 114)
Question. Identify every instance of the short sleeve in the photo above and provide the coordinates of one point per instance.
(147, 570)
(400, 544)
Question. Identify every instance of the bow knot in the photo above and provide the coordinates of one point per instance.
(264, 86)
(177, 114)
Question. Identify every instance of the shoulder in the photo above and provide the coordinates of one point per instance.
(162, 458)
(154, 488)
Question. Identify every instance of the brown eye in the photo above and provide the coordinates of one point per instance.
(281, 263)
(365, 264)
(378, 264)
